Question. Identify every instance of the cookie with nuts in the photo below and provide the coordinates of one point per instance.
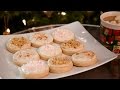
(61, 35)
(34, 70)
(72, 46)
(85, 58)
(24, 56)
(49, 50)
(38, 39)
(60, 64)
(17, 43)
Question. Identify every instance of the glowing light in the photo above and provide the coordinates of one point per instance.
(58, 13)
(24, 22)
(8, 30)
(45, 11)
(33, 19)
(63, 13)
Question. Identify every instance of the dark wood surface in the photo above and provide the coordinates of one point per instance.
(101, 72)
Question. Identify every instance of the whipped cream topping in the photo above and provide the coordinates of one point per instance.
(115, 20)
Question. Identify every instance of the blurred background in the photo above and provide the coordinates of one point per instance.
(14, 21)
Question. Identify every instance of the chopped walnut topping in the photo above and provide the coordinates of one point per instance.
(19, 41)
(25, 55)
(40, 36)
(71, 44)
(77, 53)
(59, 61)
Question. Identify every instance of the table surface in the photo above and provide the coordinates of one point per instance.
(106, 71)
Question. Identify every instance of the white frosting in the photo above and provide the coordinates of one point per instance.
(24, 56)
(50, 50)
(41, 38)
(34, 66)
(81, 57)
(63, 34)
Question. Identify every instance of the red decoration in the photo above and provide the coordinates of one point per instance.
(108, 31)
(117, 38)
(103, 38)
(116, 32)
(110, 40)
(116, 51)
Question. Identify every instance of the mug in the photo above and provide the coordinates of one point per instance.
(110, 30)
(110, 37)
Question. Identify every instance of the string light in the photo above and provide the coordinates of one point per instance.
(63, 13)
(6, 32)
(45, 11)
(33, 19)
(24, 22)
(58, 13)
(48, 13)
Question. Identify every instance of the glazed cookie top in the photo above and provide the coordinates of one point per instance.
(50, 49)
(24, 56)
(85, 55)
(34, 66)
(63, 34)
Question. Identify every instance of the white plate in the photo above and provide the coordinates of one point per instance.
(9, 71)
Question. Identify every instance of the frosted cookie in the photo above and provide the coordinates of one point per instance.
(49, 50)
(23, 56)
(72, 46)
(40, 38)
(62, 35)
(34, 69)
(85, 58)
(60, 64)
(17, 43)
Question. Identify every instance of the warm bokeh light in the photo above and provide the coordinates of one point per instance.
(24, 22)
(8, 30)
(63, 13)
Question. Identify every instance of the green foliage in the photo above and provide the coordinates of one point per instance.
(38, 18)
